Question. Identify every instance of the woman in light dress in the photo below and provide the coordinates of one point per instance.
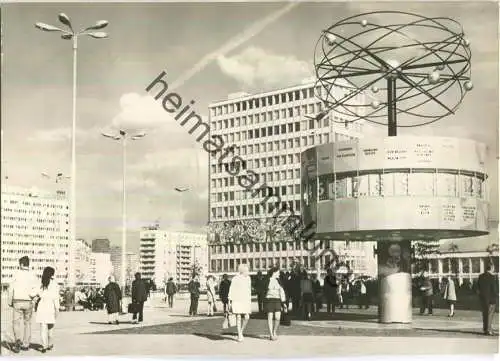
(211, 295)
(450, 295)
(47, 308)
(274, 302)
(240, 298)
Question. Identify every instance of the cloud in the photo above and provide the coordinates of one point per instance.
(256, 66)
(140, 112)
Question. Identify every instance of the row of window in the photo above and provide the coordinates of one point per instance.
(34, 211)
(263, 101)
(240, 195)
(30, 235)
(34, 204)
(250, 210)
(32, 244)
(286, 144)
(262, 264)
(408, 183)
(460, 265)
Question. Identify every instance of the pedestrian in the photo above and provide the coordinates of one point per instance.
(363, 301)
(194, 291)
(275, 298)
(345, 291)
(47, 308)
(307, 295)
(450, 295)
(487, 285)
(22, 291)
(330, 290)
(260, 287)
(139, 296)
(294, 290)
(240, 298)
(427, 294)
(318, 295)
(170, 290)
(212, 308)
(112, 299)
(224, 292)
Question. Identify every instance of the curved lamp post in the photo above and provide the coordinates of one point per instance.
(71, 34)
(123, 136)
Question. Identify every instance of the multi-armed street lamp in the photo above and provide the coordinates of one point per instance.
(71, 34)
(123, 136)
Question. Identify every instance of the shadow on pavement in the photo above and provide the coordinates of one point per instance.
(112, 324)
(323, 316)
(467, 332)
(211, 337)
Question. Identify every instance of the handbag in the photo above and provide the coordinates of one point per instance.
(285, 319)
(132, 308)
(225, 323)
(231, 318)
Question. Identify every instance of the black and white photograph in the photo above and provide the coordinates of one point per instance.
(249, 179)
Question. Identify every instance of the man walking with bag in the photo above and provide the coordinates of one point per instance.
(23, 289)
(139, 296)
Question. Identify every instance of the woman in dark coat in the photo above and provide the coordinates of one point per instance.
(112, 297)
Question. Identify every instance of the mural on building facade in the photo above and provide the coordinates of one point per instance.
(253, 231)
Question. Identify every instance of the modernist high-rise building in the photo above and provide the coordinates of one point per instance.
(35, 223)
(165, 254)
(268, 131)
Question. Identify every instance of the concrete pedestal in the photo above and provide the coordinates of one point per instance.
(395, 286)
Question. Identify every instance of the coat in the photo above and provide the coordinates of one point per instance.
(449, 293)
(240, 294)
(139, 291)
(112, 297)
(488, 288)
(224, 290)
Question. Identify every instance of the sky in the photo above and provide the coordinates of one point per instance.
(208, 51)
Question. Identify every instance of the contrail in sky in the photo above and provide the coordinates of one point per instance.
(234, 42)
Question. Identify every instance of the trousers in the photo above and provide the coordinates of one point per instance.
(23, 312)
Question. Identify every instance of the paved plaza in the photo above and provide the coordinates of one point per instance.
(171, 332)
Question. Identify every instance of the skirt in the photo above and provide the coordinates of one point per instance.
(272, 305)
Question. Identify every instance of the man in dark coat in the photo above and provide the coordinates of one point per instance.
(194, 290)
(170, 290)
(113, 298)
(139, 296)
(330, 290)
(260, 287)
(488, 296)
(224, 291)
(427, 293)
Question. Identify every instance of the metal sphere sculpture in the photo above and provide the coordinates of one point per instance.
(414, 66)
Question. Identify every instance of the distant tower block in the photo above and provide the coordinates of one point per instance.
(394, 190)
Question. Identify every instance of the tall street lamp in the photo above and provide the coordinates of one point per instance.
(181, 190)
(123, 136)
(71, 34)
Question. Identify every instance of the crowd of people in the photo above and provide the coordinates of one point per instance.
(278, 294)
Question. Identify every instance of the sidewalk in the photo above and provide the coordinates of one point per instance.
(87, 333)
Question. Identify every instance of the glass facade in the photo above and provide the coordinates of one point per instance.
(405, 182)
